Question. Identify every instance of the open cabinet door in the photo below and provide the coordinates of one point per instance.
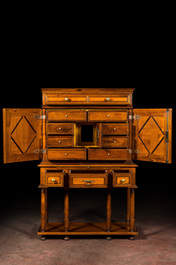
(22, 135)
(152, 135)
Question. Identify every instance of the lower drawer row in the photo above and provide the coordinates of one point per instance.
(94, 179)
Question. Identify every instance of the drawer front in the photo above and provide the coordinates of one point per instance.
(56, 99)
(107, 116)
(122, 179)
(66, 115)
(85, 180)
(66, 154)
(115, 128)
(108, 154)
(109, 100)
(60, 141)
(54, 179)
(114, 141)
(60, 128)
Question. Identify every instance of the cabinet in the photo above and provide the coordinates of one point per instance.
(87, 138)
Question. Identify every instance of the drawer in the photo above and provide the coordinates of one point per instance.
(54, 179)
(114, 141)
(56, 99)
(60, 128)
(66, 115)
(107, 116)
(108, 154)
(109, 100)
(67, 154)
(122, 179)
(115, 128)
(88, 180)
(60, 141)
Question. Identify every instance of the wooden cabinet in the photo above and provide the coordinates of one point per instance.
(87, 138)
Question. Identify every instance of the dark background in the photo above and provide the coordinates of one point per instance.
(19, 181)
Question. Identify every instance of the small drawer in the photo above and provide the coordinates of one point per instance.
(107, 116)
(60, 141)
(54, 179)
(86, 180)
(115, 128)
(114, 142)
(108, 154)
(122, 179)
(66, 115)
(109, 100)
(60, 128)
(67, 154)
(56, 99)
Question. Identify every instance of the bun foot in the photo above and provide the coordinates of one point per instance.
(66, 238)
(108, 238)
(131, 237)
(43, 238)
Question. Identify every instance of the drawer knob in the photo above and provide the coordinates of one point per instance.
(59, 142)
(123, 180)
(60, 128)
(66, 154)
(115, 129)
(109, 154)
(107, 99)
(66, 99)
(114, 141)
(66, 115)
(53, 180)
(108, 115)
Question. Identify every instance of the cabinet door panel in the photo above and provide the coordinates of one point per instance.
(22, 135)
(152, 135)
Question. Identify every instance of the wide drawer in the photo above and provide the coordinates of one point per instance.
(107, 116)
(122, 179)
(114, 141)
(67, 154)
(108, 154)
(60, 141)
(109, 100)
(88, 180)
(56, 99)
(115, 128)
(54, 179)
(60, 128)
(66, 115)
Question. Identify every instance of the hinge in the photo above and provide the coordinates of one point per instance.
(40, 151)
(40, 117)
(134, 117)
(167, 136)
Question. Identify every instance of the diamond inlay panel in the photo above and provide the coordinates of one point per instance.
(23, 134)
(151, 127)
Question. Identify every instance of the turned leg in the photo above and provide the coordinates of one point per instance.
(66, 210)
(43, 210)
(128, 206)
(108, 215)
(46, 206)
(132, 215)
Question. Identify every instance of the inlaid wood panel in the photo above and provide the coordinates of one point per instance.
(114, 141)
(60, 141)
(107, 116)
(108, 154)
(115, 128)
(67, 154)
(66, 115)
(60, 128)
(88, 180)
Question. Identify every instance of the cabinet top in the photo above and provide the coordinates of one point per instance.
(92, 91)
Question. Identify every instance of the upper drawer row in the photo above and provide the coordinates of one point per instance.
(61, 99)
(83, 115)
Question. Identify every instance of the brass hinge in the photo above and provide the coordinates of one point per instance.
(167, 136)
(40, 151)
(134, 117)
(40, 117)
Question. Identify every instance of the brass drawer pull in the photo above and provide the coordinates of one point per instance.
(66, 115)
(66, 99)
(60, 128)
(123, 180)
(108, 154)
(59, 142)
(88, 182)
(114, 141)
(108, 115)
(66, 154)
(115, 129)
(53, 180)
(107, 99)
